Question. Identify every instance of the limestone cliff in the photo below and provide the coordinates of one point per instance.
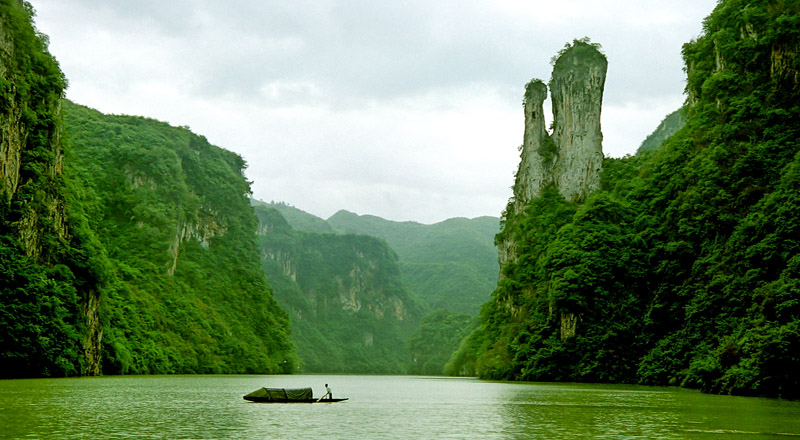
(577, 84)
(571, 156)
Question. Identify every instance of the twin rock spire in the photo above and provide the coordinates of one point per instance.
(571, 156)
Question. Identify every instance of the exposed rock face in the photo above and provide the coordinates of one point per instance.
(209, 225)
(538, 150)
(579, 77)
(353, 281)
(571, 157)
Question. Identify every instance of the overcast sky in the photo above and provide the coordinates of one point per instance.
(409, 110)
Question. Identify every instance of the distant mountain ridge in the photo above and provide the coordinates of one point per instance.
(350, 311)
(450, 265)
(336, 276)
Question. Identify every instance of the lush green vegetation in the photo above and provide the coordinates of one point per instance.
(669, 126)
(172, 211)
(438, 335)
(128, 230)
(50, 266)
(450, 265)
(299, 219)
(350, 310)
(449, 268)
(685, 268)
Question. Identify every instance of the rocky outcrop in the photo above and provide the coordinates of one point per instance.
(571, 156)
(577, 85)
(209, 225)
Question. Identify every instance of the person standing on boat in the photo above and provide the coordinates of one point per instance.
(328, 392)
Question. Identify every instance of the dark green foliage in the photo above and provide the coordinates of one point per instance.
(450, 265)
(351, 313)
(39, 317)
(50, 269)
(172, 211)
(580, 48)
(683, 268)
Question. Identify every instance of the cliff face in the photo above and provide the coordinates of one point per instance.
(29, 141)
(449, 265)
(33, 190)
(348, 282)
(571, 157)
(579, 77)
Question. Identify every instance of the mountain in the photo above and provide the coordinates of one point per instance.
(127, 246)
(53, 270)
(172, 212)
(449, 268)
(450, 265)
(299, 219)
(350, 310)
(683, 266)
(669, 126)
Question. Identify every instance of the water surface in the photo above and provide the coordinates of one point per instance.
(380, 407)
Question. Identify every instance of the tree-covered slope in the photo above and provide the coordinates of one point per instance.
(350, 310)
(52, 271)
(450, 265)
(684, 269)
(189, 295)
(669, 126)
(449, 268)
(299, 219)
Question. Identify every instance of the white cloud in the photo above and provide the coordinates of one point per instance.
(409, 111)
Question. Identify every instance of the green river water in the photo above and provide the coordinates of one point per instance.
(380, 407)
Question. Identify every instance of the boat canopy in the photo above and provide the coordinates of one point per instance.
(283, 394)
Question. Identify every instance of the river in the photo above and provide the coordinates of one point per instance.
(379, 407)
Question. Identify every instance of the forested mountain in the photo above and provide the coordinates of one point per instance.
(173, 213)
(299, 219)
(126, 245)
(684, 267)
(52, 270)
(449, 267)
(350, 310)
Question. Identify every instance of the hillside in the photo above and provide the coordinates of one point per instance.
(53, 270)
(669, 126)
(171, 210)
(127, 246)
(350, 311)
(299, 219)
(450, 265)
(683, 267)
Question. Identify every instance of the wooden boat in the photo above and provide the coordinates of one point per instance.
(286, 395)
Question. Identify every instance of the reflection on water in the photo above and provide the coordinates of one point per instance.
(390, 407)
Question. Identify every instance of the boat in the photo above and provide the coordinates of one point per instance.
(286, 395)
